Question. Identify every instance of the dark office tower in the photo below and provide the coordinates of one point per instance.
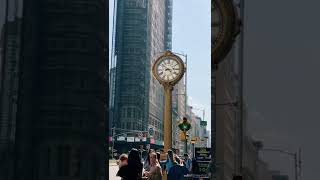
(59, 122)
(142, 33)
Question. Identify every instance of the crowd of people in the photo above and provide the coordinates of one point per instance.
(134, 167)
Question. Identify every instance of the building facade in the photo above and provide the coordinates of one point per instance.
(227, 126)
(178, 112)
(143, 32)
(54, 66)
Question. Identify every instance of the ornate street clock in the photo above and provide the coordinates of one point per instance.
(168, 68)
(224, 28)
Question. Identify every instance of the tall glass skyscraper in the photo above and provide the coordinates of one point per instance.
(143, 31)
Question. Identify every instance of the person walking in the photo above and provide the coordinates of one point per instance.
(187, 162)
(123, 160)
(146, 164)
(170, 161)
(177, 172)
(155, 169)
(133, 170)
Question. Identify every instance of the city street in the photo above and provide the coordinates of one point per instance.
(113, 169)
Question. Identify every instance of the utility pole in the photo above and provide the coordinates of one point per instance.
(300, 169)
(295, 166)
(294, 155)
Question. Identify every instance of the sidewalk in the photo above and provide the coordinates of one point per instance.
(112, 162)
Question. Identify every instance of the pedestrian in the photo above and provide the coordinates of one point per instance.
(155, 172)
(170, 161)
(177, 152)
(177, 172)
(187, 162)
(123, 160)
(146, 164)
(133, 170)
(178, 160)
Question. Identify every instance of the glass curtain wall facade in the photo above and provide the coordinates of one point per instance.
(141, 36)
(131, 80)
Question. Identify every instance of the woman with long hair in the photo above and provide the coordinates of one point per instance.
(146, 164)
(133, 170)
(155, 170)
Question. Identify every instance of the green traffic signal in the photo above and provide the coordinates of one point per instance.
(184, 126)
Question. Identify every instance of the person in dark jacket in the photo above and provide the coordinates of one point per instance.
(133, 170)
(171, 161)
(177, 172)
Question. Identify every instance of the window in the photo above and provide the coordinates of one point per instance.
(123, 112)
(134, 113)
(129, 113)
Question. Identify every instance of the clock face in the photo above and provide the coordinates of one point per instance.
(168, 68)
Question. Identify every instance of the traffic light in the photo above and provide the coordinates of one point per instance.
(185, 125)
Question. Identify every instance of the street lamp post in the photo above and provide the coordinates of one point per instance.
(185, 83)
(294, 155)
(193, 153)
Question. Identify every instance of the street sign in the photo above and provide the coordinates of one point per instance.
(202, 154)
(121, 138)
(203, 123)
(203, 166)
(130, 139)
(203, 158)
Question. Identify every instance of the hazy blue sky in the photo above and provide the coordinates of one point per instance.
(192, 36)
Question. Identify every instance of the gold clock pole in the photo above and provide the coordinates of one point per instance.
(167, 131)
(168, 69)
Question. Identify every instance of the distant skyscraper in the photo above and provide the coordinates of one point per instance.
(53, 92)
(143, 32)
